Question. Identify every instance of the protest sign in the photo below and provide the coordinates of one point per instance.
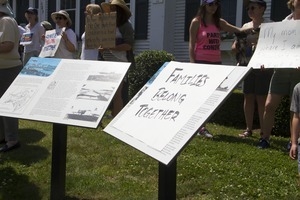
(52, 41)
(26, 38)
(100, 30)
(278, 45)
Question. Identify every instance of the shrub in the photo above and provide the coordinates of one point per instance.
(146, 65)
(236, 119)
(282, 119)
(231, 112)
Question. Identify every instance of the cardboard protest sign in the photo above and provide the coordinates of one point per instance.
(100, 30)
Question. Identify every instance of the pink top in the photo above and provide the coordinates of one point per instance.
(208, 42)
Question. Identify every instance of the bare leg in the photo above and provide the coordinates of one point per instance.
(272, 102)
(249, 106)
(261, 100)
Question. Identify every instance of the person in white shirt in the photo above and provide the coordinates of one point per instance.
(89, 54)
(32, 38)
(68, 44)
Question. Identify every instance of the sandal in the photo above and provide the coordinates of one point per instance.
(247, 133)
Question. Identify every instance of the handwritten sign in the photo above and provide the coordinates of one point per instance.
(100, 30)
(278, 45)
(50, 47)
(163, 109)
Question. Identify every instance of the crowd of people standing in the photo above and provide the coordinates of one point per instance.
(264, 87)
(18, 44)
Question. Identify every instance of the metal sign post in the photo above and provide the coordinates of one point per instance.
(167, 181)
(58, 167)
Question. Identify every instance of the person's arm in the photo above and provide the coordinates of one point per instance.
(121, 47)
(6, 46)
(294, 135)
(41, 35)
(225, 26)
(69, 41)
(233, 46)
(194, 26)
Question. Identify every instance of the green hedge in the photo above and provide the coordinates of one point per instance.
(282, 119)
(234, 106)
(146, 65)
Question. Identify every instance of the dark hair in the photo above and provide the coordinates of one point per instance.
(202, 14)
(122, 16)
(259, 3)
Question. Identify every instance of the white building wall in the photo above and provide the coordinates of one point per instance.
(180, 50)
(157, 23)
(160, 27)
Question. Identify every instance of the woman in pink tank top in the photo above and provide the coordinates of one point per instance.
(205, 38)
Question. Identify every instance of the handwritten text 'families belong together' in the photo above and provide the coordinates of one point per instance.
(163, 94)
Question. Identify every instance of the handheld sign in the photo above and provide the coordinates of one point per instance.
(52, 40)
(26, 38)
(278, 45)
(100, 30)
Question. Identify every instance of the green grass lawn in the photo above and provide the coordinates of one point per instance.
(102, 167)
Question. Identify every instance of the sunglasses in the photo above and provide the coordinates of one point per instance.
(59, 18)
(251, 8)
(213, 4)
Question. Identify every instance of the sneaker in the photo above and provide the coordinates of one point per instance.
(245, 134)
(204, 132)
(263, 144)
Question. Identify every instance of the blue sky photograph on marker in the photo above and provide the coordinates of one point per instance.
(40, 66)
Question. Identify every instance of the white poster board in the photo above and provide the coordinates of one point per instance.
(278, 45)
(26, 38)
(168, 110)
(64, 91)
(52, 40)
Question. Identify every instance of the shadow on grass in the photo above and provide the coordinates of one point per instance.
(75, 198)
(10, 181)
(251, 141)
(28, 153)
